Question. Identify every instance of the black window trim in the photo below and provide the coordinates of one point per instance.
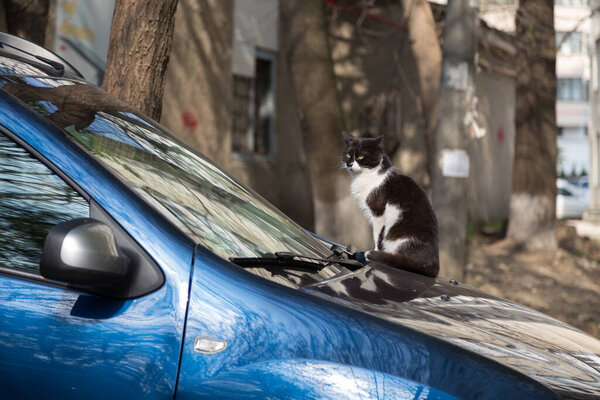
(25, 275)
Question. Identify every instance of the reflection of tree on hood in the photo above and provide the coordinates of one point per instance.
(379, 285)
(77, 104)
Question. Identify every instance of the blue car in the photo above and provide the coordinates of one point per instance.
(133, 267)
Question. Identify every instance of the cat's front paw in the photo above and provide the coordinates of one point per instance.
(368, 255)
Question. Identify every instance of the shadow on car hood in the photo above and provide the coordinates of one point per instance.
(553, 353)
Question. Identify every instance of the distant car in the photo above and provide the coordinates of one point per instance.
(582, 182)
(571, 199)
(132, 267)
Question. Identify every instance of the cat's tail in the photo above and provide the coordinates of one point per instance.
(404, 262)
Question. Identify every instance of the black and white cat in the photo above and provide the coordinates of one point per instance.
(405, 229)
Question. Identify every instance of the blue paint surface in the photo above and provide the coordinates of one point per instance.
(57, 343)
(271, 330)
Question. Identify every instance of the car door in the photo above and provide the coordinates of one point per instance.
(56, 342)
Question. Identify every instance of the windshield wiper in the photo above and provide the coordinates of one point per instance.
(296, 261)
(348, 252)
(58, 69)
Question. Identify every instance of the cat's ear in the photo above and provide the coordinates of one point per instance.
(347, 137)
(378, 141)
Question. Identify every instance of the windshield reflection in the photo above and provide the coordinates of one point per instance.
(187, 188)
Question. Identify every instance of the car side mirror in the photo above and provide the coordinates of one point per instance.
(83, 252)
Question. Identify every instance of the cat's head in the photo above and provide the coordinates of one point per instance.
(362, 154)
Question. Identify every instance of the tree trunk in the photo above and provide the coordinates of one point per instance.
(452, 167)
(30, 19)
(3, 27)
(533, 199)
(307, 52)
(427, 56)
(139, 47)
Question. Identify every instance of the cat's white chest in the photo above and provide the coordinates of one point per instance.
(362, 185)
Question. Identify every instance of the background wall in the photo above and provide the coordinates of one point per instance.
(492, 155)
(197, 92)
(213, 40)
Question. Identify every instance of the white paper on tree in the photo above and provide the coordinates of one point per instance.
(455, 163)
(455, 75)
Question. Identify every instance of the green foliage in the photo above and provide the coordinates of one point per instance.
(573, 171)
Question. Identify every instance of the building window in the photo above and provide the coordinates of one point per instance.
(596, 75)
(570, 2)
(254, 108)
(569, 42)
(242, 117)
(586, 90)
(573, 89)
(573, 131)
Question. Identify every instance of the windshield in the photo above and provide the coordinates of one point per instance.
(187, 188)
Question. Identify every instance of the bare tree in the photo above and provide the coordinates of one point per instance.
(30, 19)
(451, 167)
(533, 200)
(425, 76)
(140, 43)
(406, 112)
(305, 40)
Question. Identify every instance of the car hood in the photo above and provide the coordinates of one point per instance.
(551, 352)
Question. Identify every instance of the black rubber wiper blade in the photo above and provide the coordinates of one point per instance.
(332, 259)
(272, 260)
(291, 260)
(58, 69)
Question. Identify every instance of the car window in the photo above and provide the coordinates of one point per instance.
(564, 192)
(186, 187)
(32, 200)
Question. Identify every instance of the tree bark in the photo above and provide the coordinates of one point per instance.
(451, 168)
(427, 55)
(533, 199)
(140, 43)
(3, 26)
(305, 42)
(29, 19)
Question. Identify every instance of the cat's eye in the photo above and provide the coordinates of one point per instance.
(348, 155)
(360, 157)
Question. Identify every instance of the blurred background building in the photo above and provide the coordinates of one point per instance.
(572, 24)
(573, 21)
(593, 46)
(228, 84)
(82, 33)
